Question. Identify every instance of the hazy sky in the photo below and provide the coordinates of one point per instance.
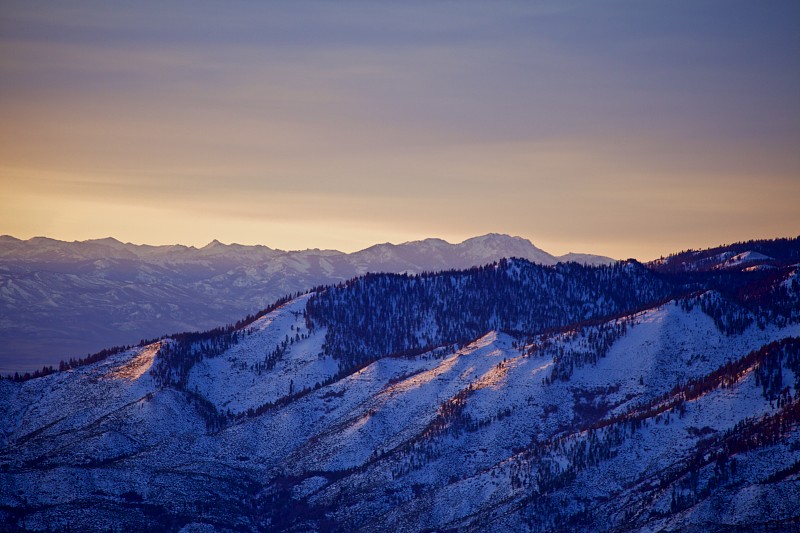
(630, 129)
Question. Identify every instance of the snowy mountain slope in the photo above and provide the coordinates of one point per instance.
(662, 419)
(525, 410)
(238, 381)
(746, 257)
(739, 255)
(60, 300)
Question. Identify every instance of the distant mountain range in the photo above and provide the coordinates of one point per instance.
(514, 396)
(65, 299)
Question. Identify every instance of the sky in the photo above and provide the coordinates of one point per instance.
(622, 128)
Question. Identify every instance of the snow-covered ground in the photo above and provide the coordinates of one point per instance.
(454, 438)
(745, 257)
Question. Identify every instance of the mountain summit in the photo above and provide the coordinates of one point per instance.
(437, 254)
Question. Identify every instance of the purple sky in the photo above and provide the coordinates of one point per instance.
(620, 128)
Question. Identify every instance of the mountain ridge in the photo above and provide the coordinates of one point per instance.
(495, 241)
(60, 300)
